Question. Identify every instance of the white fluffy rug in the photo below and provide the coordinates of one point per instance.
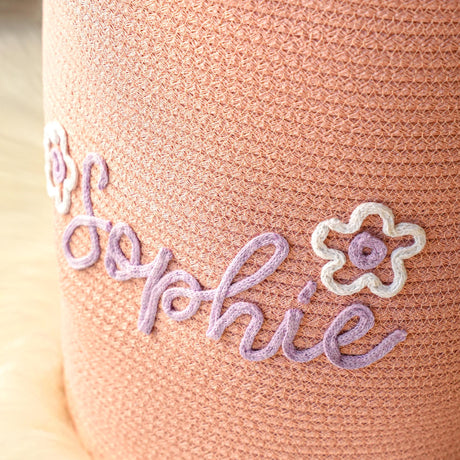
(34, 423)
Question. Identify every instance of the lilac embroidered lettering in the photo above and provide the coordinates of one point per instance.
(88, 220)
(133, 268)
(307, 354)
(218, 323)
(159, 288)
(307, 293)
(331, 342)
(155, 289)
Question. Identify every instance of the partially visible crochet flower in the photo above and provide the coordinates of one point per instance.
(366, 260)
(60, 170)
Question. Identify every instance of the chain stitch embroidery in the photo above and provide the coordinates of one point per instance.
(337, 258)
(88, 220)
(359, 258)
(307, 293)
(158, 286)
(57, 164)
(331, 342)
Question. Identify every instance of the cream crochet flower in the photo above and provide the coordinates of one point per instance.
(337, 258)
(60, 170)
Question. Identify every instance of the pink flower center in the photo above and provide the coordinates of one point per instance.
(366, 251)
(58, 165)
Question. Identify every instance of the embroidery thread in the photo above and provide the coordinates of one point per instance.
(337, 258)
(58, 164)
(331, 340)
(88, 220)
(307, 292)
(358, 256)
(159, 288)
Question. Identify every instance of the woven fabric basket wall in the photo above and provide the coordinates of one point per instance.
(221, 121)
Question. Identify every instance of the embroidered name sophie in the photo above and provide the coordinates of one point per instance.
(159, 285)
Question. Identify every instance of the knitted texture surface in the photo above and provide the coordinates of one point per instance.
(220, 121)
